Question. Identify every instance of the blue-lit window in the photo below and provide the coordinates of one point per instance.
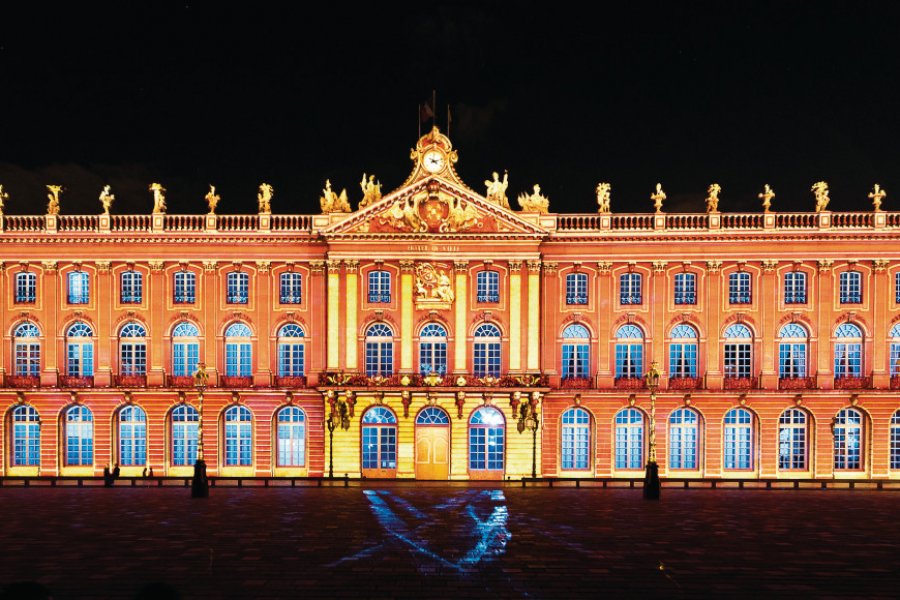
(683, 439)
(848, 439)
(291, 437)
(848, 351)
(738, 351)
(238, 351)
(683, 351)
(185, 349)
(630, 288)
(629, 352)
(379, 287)
(576, 288)
(132, 436)
(132, 287)
(792, 440)
(738, 436)
(486, 428)
(238, 437)
(379, 350)
(379, 440)
(895, 350)
(26, 287)
(185, 435)
(132, 350)
(26, 437)
(576, 439)
(290, 351)
(629, 439)
(795, 288)
(486, 354)
(895, 440)
(185, 291)
(78, 289)
(432, 415)
(27, 349)
(576, 355)
(79, 437)
(851, 287)
(792, 352)
(433, 350)
(238, 288)
(291, 288)
(80, 350)
(488, 286)
(739, 291)
(685, 288)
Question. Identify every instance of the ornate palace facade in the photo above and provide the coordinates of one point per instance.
(443, 335)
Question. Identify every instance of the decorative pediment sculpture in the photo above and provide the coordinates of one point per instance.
(106, 199)
(766, 196)
(820, 190)
(712, 201)
(535, 202)
(264, 197)
(603, 193)
(159, 198)
(53, 196)
(371, 190)
(433, 285)
(330, 202)
(496, 189)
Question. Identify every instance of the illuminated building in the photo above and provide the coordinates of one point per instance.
(434, 320)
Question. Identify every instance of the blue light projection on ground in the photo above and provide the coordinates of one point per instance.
(475, 519)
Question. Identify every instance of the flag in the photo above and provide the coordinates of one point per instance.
(426, 112)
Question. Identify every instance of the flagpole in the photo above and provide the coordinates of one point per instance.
(419, 120)
(434, 108)
(448, 120)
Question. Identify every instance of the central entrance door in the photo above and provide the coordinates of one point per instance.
(432, 444)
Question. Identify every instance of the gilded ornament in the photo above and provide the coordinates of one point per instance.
(106, 199)
(535, 202)
(461, 218)
(658, 196)
(496, 189)
(432, 284)
(330, 202)
(712, 201)
(603, 193)
(371, 190)
(3, 198)
(877, 195)
(53, 196)
(159, 198)
(264, 198)
(766, 196)
(820, 191)
(212, 199)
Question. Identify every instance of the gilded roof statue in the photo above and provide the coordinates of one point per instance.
(53, 196)
(159, 198)
(766, 196)
(371, 190)
(264, 197)
(535, 202)
(106, 198)
(820, 190)
(603, 193)
(330, 202)
(877, 195)
(3, 198)
(658, 196)
(496, 189)
(712, 201)
(212, 199)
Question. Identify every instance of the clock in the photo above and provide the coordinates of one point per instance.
(433, 161)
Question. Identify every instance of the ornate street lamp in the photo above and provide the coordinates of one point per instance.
(528, 419)
(651, 477)
(339, 417)
(200, 483)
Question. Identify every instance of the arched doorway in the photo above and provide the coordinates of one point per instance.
(486, 443)
(379, 443)
(432, 444)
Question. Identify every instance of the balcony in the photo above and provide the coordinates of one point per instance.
(234, 381)
(76, 381)
(796, 383)
(575, 383)
(294, 381)
(131, 380)
(685, 383)
(493, 298)
(180, 381)
(23, 381)
(739, 298)
(851, 382)
(577, 299)
(895, 382)
(379, 298)
(285, 299)
(739, 383)
(629, 383)
(184, 299)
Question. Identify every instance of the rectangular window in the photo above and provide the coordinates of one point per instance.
(290, 360)
(238, 288)
(576, 288)
(237, 360)
(576, 361)
(739, 288)
(486, 359)
(185, 288)
(79, 291)
(26, 288)
(133, 359)
(737, 447)
(791, 360)
(682, 360)
(630, 288)
(28, 359)
(131, 291)
(795, 288)
(851, 287)
(895, 359)
(685, 288)
(792, 447)
(737, 360)
(847, 360)
(629, 360)
(575, 442)
(291, 288)
(895, 443)
(488, 286)
(379, 287)
(629, 447)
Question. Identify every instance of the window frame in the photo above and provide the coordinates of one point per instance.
(685, 288)
(378, 286)
(740, 288)
(25, 287)
(131, 287)
(487, 286)
(631, 288)
(576, 289)
(237, 287)
(292, 282)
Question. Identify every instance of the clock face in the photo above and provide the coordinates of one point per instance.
(434, 161)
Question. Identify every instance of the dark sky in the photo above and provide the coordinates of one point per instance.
(785, 93)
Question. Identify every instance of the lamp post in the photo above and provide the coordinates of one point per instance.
(200, 483)
(338, 417)
(528, 419)
(651, 477)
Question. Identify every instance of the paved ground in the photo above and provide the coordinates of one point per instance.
(459, 542)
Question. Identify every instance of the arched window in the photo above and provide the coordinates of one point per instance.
(738, 351)
(79, 436)
(185, 289)
(486, 427)
(433, 350)
(684, 438)
(80, 350)
(792, 352)
(895, 350)
(291, 288)
(379, 287)
(132, 350)
(576, 355)
(851, 287)
(738, 439)
(131, 289)
(26, 424)
(185, 349)
(629, 352)
(795, 287)
(630, 288)
(683, 351)
(291, 437)
(487, 285)
(238, 437)
(848, 439)
(379, 350)
(132, 436)
(26, 287)
(848, 351)
(238, 288)
(432, 415)
(629, 439)
(793, 436)
(290, 351)
(895, 440)
(576, 439)
(379, 442)
(685, 288)
(486, 351)
(79, 292)
(27, 350)
(576, 288)
(238, 351)
(185, 435)
(739, 291)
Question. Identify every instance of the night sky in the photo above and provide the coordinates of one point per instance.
(785, 93)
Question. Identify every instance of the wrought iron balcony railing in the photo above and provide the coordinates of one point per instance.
(851, 382)
(630, 383)
(576, 383)
(235, 381)
(180, 381)
(23, 381)
(739, 383)
(76, 381)
(685, 383)
(576, 299)
(131, 380)
(796, 383)
(292, 381)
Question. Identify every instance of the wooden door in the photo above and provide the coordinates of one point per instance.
(432, 452)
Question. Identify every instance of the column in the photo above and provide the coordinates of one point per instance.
(262, 375)
(407, 305)
(768, 307)
(351, 314)
(533, 363)
(156, 289)
(881, 298)
(714, 377)
(316, 297)
(515, 316)
(461, 270)
(825, 301)
(333, 362)
(210, 297)
(49, 283)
